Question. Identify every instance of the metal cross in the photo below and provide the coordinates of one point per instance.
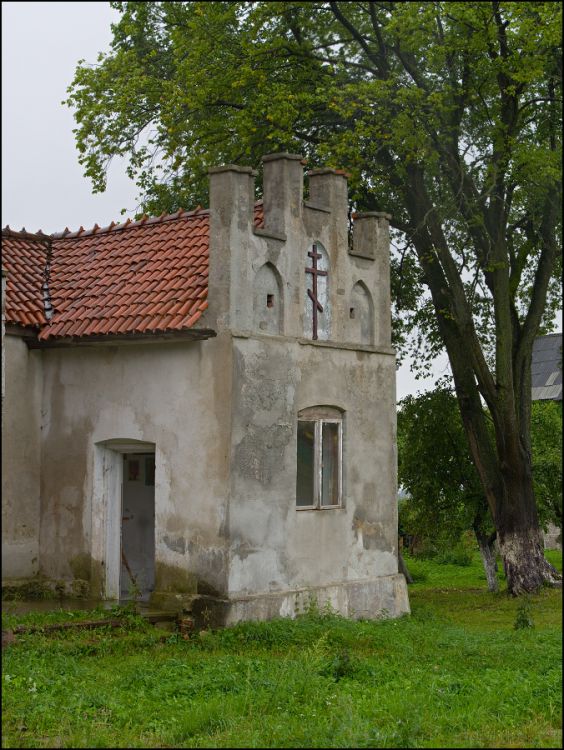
(312, 293)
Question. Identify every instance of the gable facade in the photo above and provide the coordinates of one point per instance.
(200, 377)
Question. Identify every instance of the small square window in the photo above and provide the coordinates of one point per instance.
(319, 464)
(270, 300)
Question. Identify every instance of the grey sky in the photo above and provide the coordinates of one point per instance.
(42, 182)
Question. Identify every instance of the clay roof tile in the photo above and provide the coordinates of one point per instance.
(147, 275)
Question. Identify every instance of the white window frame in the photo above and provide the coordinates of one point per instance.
(318, 464)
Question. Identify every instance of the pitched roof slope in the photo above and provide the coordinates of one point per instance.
(148, 276)
(24, 258)
(546, 368)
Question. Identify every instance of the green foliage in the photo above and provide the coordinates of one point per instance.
(524, 617)
(461, 553)
(376, 90)
(315, 681)
(546, 445)
(444, 495)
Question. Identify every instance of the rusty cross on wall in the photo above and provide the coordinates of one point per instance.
(312, 293)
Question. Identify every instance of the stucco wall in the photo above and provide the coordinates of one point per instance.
(21, 460)
(273, 545)
(172, 395)
(222, 417)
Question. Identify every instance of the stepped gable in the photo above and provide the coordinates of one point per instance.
(146, 276)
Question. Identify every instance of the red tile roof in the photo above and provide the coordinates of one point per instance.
(24, 258)
(145, 276)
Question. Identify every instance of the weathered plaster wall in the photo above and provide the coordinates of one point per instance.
(274, 546)
(21, 461)
(279, 555)
(173, 395)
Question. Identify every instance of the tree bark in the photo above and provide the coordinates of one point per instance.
(488, 552)
(519, 536)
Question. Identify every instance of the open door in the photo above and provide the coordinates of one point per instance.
(137, 573)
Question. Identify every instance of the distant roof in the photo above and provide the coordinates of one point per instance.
(147, 276)
(546, 368)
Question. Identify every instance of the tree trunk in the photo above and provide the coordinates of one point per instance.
(525, 565)
(518, 532)
(488, 552)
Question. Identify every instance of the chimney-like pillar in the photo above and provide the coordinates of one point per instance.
(282, 191)
(371, 239)
(232, 199)
(328, 189)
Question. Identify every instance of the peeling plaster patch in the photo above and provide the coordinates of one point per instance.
(176, 544)
(209, 564)
(251, 458)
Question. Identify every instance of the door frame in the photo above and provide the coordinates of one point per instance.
(107, 507)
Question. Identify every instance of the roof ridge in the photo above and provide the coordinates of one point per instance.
(7, 231)
(66, 234)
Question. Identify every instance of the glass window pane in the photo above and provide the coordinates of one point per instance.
(306, 464)
(330, 464)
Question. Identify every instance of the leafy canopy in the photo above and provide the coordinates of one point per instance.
(435, 469)
(466, 92)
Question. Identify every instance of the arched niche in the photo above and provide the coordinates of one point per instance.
(361, 315)
(317, 309)
(267, 300)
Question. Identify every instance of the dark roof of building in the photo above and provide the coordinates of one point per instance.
(546, 369)
(147, 276)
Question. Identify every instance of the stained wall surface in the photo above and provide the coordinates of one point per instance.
(274, 546)
(21, 459)
(170, 395)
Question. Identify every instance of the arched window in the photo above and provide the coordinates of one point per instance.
(361, 315)
(317, 317)
(319, 476)
(267, 300)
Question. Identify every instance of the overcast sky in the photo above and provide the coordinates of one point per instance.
(42, 182)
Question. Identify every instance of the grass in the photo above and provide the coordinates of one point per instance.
(456, 673)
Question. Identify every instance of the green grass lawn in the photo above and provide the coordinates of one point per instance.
(456, 673)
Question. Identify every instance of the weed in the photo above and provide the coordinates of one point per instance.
(524, 617)
(342, 664)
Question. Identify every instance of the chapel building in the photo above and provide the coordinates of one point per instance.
(199, 409)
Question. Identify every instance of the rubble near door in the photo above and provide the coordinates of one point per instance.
(137, 575)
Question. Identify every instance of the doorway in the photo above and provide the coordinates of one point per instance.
(137, 572)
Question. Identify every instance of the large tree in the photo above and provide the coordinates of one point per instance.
(444, 493)
(447, 115)
(445, 496)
